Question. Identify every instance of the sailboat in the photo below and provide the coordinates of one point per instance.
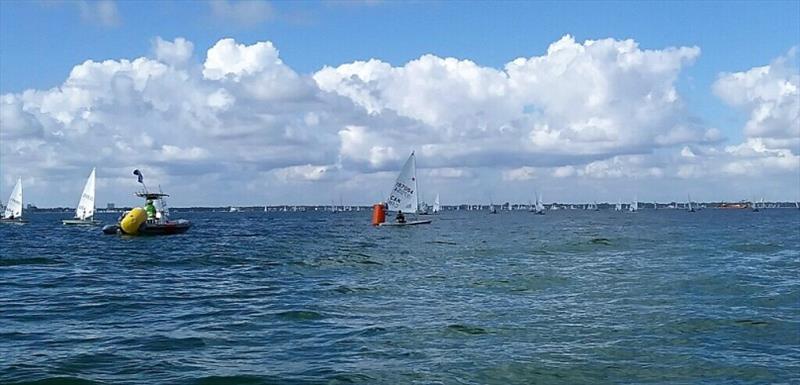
(755, 205)
(84, 213)
(539, 209)
(634, 206)
(690, 208)
(13, 211)
(404, 196)
(436, 206)
(618, 206)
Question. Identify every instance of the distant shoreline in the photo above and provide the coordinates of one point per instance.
(460, 207)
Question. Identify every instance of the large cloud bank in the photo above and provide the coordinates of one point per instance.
(239, 117)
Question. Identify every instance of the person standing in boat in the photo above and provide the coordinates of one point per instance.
(150, 209)
(400, 218)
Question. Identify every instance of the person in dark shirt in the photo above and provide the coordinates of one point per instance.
(400, 218)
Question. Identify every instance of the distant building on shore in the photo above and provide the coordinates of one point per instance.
(110, 206)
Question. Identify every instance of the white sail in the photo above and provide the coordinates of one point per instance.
(539, 204)
(436, 206)
(14, 207)
(634, 206)
(404, 194)
(618, 207)
(85, 209)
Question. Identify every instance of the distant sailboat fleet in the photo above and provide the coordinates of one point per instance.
(403, 201)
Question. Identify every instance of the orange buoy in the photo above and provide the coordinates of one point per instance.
(378, 214)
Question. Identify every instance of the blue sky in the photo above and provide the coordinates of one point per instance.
(42, 41)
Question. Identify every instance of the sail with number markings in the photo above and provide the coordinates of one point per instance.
(404, 194)
(14, 207)
(85, 209)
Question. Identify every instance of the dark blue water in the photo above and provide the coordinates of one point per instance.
(571, 297)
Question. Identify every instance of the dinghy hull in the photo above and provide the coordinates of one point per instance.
(16, 221)
(79, 222)
(408, 223)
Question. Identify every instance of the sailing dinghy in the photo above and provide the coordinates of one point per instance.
(539, 208)
(634, 206)
(84, 213)
(13, 211)
(404, 197)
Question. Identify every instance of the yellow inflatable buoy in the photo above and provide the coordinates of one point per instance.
(132, 220)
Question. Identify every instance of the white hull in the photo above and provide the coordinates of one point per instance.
(407, 223)
(16, 221)
(80, 222)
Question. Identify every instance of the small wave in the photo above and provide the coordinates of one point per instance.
(160, 342)
(344, 289)
(601, 241)
(58, 381)
(465, 329)
(749, 322)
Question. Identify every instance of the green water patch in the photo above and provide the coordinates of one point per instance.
(757, 248)
(519, 284)
(159, 343)
(28, 261)
(234, 380)
(300, 315)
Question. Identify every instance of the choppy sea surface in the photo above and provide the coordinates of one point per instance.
(571, 297)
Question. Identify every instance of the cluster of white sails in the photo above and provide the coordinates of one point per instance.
(83, 213)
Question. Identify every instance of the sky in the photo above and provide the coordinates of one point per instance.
(250, 103)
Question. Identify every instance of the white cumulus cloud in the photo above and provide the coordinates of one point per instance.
(237, 117)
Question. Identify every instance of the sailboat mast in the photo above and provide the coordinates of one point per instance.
(416, 185)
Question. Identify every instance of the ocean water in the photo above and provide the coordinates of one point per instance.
(572, 297)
